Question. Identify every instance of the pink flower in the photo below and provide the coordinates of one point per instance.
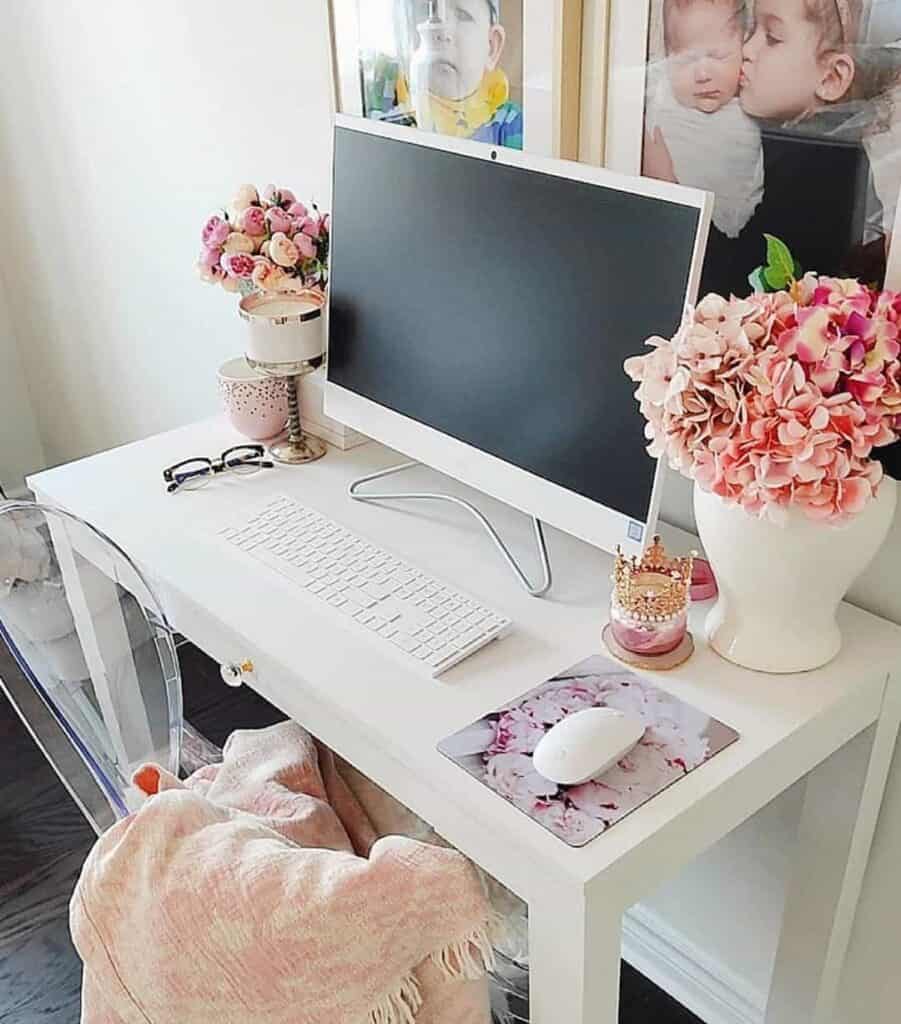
(211, 275)
(238, 242)
(827, 373)
(866, 387)
(846, 294)
(215, 232)
(875, 342)
(517, 733)
(553, 704)
(712, 309)
(778, 400)
(305, 245)
(297, 211)
(513, 776)
(312, 226)
(283, 251)
(268, 277)
(278, 196)
(278, 220)
(209, 258)
(569, 823)
(239, 265)
(810, 340)
(244, 197)
(655, 371)
(253, 221)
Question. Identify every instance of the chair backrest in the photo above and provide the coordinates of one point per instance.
(91, 638)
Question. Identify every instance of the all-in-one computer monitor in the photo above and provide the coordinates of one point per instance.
(482, 304)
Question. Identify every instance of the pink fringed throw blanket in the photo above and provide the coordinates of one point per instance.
(258, 891)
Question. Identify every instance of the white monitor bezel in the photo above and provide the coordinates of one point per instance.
(549, 502)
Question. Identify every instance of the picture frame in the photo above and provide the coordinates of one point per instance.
(616, 106)
(819, 138)
(593, 84)
(551, 56)
(615, 111)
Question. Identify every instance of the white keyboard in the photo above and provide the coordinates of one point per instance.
(430, 624)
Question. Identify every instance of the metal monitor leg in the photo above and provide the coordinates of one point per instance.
(535, 590)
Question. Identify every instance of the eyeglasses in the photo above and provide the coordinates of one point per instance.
(193, 474)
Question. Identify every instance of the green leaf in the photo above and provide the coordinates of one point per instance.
(776, 279)
(779, 260)
(757, 282)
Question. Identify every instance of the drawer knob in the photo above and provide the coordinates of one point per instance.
(234, 674)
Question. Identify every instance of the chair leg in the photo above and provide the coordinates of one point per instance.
(196, 750)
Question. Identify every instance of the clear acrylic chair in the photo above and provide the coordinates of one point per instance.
(100, 687)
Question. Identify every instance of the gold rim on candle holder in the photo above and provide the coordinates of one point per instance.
(247, 307)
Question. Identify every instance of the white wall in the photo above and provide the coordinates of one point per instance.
(20, 447)
(123, 126)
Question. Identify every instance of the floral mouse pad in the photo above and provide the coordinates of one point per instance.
(498, 749)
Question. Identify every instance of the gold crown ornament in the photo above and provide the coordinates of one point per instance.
(655, 588)
(648, 625)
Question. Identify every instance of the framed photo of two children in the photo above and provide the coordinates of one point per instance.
(789, 111)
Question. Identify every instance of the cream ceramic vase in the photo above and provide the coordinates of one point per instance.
(780, 586)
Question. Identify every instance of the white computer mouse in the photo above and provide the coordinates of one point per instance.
(585, 744)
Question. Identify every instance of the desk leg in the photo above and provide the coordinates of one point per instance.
(574, 960)
(838, 821)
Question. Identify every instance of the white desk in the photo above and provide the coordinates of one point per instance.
(838, 724)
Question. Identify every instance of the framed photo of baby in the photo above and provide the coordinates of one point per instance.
(789, 111)
(503, 72)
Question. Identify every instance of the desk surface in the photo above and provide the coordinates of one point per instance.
(388, 720)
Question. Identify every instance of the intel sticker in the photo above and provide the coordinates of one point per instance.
(636, 532)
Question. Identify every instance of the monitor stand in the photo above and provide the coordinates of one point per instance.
(535, 590)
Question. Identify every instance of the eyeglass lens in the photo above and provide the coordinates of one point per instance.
(193, 474)
(243, 461)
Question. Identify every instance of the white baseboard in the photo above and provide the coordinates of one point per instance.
(691, 975)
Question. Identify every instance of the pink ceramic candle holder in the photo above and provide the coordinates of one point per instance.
(256, 405)
(649, 603)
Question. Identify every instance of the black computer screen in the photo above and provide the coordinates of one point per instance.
(497, 305)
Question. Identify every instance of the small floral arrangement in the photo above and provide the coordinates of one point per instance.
(270, 244)
(778, 400)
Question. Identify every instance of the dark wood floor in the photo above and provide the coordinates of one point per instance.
(44, 840)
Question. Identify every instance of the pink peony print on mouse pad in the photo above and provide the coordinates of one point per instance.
(498, 749)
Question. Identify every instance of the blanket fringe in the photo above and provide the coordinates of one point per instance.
(398, 1007)
(470, 958)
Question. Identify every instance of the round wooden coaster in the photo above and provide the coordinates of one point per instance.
(653, 663)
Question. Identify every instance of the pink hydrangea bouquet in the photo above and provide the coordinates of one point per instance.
(271, 243)
(778, 400)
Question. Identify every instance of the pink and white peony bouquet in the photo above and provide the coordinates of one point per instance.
(271, 243)
(778, 400)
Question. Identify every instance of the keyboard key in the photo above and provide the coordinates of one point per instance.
(419, 618)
